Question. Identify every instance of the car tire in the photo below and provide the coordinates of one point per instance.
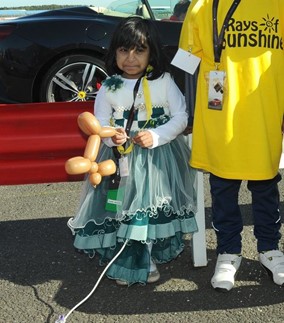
(73, 78)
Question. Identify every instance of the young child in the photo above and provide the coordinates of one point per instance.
(157, 186)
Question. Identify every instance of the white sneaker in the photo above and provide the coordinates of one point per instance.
(273, 263)
(226, 268)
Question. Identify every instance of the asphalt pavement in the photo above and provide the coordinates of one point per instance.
(43, 277)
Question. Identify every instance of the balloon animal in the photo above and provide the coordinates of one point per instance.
(89, 124)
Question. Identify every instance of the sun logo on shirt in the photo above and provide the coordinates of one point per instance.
(268, 24)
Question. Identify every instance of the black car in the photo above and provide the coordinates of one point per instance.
(58, 55)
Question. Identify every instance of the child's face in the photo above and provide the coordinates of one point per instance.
(132, 62)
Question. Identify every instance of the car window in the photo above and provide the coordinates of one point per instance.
(162, 9)
(149, 9)
(156, 9)
(124, 8)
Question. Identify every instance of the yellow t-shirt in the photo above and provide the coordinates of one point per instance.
(243, 140)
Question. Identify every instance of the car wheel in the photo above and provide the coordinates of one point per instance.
(73, 78)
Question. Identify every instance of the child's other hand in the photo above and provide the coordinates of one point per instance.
(143, 139)
(120, 137)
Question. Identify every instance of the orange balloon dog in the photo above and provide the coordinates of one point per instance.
(90, 125)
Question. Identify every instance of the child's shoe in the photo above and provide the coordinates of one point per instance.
(273, 263)
(226, 269)
(121, 282)
(153, 276)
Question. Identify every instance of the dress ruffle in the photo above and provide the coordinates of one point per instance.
(159, 204)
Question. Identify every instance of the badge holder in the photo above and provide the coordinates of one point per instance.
(216, 90)
(115, 193)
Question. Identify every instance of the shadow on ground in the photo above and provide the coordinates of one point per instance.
(37, 251)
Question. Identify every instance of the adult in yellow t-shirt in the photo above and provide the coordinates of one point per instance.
(237, 132)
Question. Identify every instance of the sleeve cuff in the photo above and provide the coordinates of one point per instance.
(107, 141)
(155, 139)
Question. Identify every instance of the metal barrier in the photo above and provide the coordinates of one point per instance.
(36, 140)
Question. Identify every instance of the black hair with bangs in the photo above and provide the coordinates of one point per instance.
(136, 32)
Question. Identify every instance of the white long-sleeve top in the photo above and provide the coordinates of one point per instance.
(169, 117)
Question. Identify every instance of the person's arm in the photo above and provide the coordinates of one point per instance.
(103, 112)
(102, 109)
(189, 41)
(178, 122)
(189, 37)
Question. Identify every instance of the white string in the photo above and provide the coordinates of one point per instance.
(61, 317)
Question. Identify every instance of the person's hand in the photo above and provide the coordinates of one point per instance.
(143, 139)
(120, 137)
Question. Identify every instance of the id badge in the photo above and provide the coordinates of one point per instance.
(216, 90)
(186, 61)
(123, 166)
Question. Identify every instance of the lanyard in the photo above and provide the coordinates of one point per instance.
(131, 112)
(146, 90)
(218, 39)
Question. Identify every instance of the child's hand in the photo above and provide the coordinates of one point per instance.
(120, 137)
(143, 139)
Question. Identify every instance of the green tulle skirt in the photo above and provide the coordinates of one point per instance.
(158, 206)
